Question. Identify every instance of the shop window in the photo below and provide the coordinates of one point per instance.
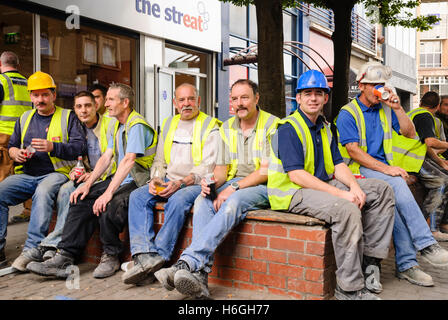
(430, 54)
(77, 59)
(16, 27)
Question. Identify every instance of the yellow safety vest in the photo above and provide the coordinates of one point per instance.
(280, 188)
(143, 164)
(202, 127)
(15, 102)
(107, 127)
(437, 122)
(266, 122)
(57, 133)
(399, 150)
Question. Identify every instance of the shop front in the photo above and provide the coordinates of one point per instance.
(150, 46)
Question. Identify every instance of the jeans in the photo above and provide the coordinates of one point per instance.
(210, 227)
(63, 204)
(141, 220)
(19, 187)
(411, 232)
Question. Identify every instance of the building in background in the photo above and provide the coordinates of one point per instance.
(150, 45)
(432, 57)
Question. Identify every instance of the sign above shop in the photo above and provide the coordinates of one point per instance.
(193, 22)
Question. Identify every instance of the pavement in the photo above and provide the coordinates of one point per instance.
(27, 286)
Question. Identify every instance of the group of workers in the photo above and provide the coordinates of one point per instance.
(356, 182)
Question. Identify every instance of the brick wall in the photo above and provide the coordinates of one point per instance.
(273, 252)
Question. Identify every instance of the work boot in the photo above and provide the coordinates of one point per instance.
(362, 294)
(416, 276)
(33, 254)
(435, 255)
(109, 264)
(128, 265)
(166, 275)
(192, 284)
(3, 260)
(23, 217)
(50, 253)
(144, 264)
(440, 236)
(371, 268)
(56, 266)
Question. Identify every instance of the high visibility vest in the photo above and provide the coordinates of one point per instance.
(280, 188)
(107, 127)
(202, 127)
(266, 123)
(15, 102)
(57, 133)
(140, 170)
(438, 127)
(399, 150)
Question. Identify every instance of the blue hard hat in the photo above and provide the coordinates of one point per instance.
(312, 79)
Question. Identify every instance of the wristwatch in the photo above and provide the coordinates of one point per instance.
(235, 185)
(182, 184)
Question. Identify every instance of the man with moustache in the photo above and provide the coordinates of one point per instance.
(241, 176)
(185, 153)
(98, 129)
(56, 135)
(105, 203)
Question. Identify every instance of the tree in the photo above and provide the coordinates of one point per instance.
(270, 42)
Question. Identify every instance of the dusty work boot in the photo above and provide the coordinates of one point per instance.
(56, 266)
(435, 255)
(49, 253)
(109, 264)
(128, 265)
(144, 264)
(27, 256)
(23, 217)
(3, 261)
(192, 284)
(440, 236)
(416, 276)
(166, 275)
(362, 294)
(371, 268)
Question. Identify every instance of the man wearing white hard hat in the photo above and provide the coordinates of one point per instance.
(45, 145)
(369, 127)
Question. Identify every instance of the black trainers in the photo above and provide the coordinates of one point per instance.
(166, 275)
(192, 284)
(56, 266)
(362, 294)
(144, 264)
(371, 268)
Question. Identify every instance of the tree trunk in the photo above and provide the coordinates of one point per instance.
(271, 79)
(342, 47)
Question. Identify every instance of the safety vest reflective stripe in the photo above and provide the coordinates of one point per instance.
(15, 102)
(265, 124)
(202, 128)
(280, 188)
(58, 129)
(408, 153)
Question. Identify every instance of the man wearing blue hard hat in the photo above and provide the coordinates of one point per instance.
(374, 133)
(307, 175)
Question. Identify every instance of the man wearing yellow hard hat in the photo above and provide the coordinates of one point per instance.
(45, 144)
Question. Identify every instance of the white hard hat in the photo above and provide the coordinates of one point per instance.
(373, 72)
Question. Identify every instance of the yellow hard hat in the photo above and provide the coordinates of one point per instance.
(40, 80)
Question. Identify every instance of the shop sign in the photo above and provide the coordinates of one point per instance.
(193, 22)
